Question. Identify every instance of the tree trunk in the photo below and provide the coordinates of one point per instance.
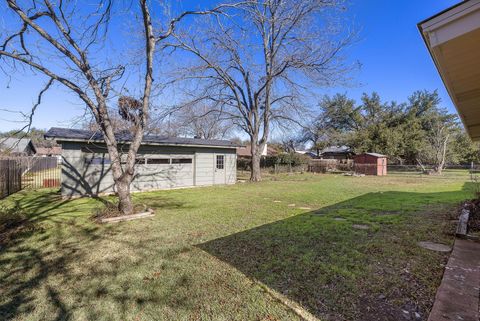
(424, 170)
(442, 155)
(125, 205)
(255, 174)
(438, 169)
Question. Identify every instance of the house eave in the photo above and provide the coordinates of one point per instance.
(99, 141)
(452, 38)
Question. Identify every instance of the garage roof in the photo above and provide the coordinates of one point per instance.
(453, 39)
(80, 135)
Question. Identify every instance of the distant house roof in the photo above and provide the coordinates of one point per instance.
(246, 151)
(54, 150)
(79, 135)
(336, 149)
(306, 152)
(13, 145)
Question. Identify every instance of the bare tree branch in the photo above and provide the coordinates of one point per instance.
(59, 40)
(258, 64)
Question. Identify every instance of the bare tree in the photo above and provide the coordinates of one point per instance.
(121, 119)
(119, 123)
(256, 64)
(434, 151)
(200, 122)
(64, 42)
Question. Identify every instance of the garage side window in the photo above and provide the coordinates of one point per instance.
(181, 160)
(158, 161)
(97, 161)
(220, 161)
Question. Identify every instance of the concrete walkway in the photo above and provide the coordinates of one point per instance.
(458, 296)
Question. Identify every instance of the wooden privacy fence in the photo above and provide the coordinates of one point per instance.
(17, 173)
(10, 177)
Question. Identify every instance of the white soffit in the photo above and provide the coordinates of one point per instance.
(453, 39)
(452, 23)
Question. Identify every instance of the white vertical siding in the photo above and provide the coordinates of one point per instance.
(204, 168)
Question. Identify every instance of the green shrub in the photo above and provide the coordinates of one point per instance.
(293, 159)
(243, 164)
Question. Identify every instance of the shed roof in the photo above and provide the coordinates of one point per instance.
(80, 135)
(376, 155)
(336, 149)
(15, 145)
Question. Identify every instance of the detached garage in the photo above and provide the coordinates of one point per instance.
(162, 163)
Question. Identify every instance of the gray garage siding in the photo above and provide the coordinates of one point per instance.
(204, 168)
(79, 177)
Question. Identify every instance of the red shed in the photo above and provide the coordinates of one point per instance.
(371, 164)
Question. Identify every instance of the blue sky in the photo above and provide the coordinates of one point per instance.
(394, 61)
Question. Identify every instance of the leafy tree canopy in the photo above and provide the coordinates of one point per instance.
(416, 131)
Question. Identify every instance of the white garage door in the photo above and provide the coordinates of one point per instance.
(181, 170)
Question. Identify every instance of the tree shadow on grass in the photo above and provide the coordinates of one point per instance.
(339, 272)
(37, 206)
(45, 262)
(65, 292)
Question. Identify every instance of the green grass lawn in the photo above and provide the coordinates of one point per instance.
(212, 253)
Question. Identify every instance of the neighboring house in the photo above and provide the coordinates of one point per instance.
(371, 164)
(246, 151)
(453, 39)
(16, 146)
(54, 151)
(162, 162)
(336, 152)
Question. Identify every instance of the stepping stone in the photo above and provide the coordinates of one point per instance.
(361, 227)
(435, 246)
(339, 219)
(277, 201)
(305, 208)
(291, 205)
